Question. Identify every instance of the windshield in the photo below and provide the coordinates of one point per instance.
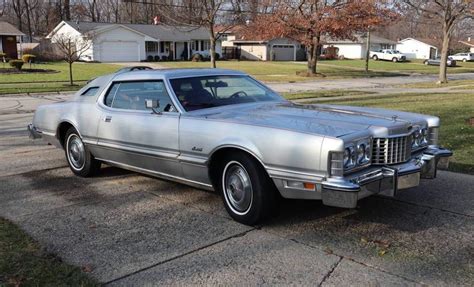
(212, 91)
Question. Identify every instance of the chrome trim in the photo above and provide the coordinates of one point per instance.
(159, 174)
(34, 133)
(385, 180)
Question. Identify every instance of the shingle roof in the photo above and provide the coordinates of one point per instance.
(161, 32)
(9, 30)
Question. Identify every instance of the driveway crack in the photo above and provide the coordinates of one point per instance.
(326, 277)
(179, 256)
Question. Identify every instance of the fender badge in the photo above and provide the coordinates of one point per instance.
(196, 148)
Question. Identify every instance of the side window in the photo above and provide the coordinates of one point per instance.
(132, 95)
(90, 91)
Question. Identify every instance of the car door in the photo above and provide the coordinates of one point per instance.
(130, 134)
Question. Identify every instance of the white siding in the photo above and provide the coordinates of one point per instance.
(414, 49)
(118, 36)
(349, 51)
(254, 52)
(68, 31)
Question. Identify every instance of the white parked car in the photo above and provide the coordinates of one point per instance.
(388, 55)
(463, 57)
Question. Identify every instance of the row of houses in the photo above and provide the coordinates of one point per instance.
(137, 42)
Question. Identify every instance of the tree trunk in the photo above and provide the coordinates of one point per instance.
(28, 20)
(67, 10)
(313, 56)
(367, 52)
(444, 55)
(70, 74)
(212, 46)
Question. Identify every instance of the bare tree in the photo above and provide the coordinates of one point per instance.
(200, 13)
(447, 14)
(72, 49)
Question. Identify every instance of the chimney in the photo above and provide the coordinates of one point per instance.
(156, 20)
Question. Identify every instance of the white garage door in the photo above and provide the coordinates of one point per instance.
(284, 52)
(119, 52)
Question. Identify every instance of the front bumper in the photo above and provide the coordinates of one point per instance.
(384, 180)
(34, 133)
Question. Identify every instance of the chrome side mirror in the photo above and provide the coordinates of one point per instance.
(152, 105)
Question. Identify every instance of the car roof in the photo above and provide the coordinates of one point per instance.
(174, 73)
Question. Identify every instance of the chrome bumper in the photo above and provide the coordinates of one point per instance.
(385, 180)
(33, 132)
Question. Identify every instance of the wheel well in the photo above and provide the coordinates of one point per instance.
(62, 130)
(217, 158)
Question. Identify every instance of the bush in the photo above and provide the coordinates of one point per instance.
(197, 58)
(149, 58)
(17, 64)
(157, 58)
(217, 56)
(28, 58)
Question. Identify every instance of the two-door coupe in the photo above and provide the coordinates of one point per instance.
(222, 130)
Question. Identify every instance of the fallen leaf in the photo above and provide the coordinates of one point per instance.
(87, 269)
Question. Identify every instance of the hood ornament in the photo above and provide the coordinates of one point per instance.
(394, 118)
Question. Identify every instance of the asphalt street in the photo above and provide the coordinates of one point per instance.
(130, 229)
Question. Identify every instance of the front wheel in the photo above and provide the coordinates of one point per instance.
(464, 60)
(80, 160)
(375, 58)
(426, 62)
(248, 193)
(394, 60)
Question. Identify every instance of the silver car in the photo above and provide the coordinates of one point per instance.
(222, 130)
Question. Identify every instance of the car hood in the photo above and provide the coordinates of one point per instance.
(327, 120)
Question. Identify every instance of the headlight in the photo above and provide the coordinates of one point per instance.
(363, 153)
(349, 157)
(420, 138)
(424, 136)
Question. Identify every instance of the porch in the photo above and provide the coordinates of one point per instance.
(175, 50)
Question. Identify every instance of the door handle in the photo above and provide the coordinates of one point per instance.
(107, 119)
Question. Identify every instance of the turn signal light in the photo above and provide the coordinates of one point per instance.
(309, 185)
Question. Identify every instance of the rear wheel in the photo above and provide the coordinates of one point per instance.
(464, 60)
(248, 193)
(426, 62)
(394, 60)
(80, 160)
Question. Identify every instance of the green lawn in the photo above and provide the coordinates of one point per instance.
(414, 66)
(281, 71)
(52, 82)
(24, 263)
(453, 109)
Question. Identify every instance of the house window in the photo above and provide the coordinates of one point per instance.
(162, 47)
(223, 37)
(151, 47)
(193, 45)
(206, 45)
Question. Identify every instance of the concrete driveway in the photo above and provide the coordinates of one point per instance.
(131, 229)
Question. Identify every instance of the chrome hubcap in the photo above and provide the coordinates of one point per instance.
(238, 188)
(76, 152)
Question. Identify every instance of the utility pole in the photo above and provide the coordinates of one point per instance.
(367, 52)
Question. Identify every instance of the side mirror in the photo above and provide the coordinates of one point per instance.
(152, 105)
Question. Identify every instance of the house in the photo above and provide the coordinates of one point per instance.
(255, 48)
(8, 39)
(136, 42)
(418, 48)
(356, 48)
(469, 43)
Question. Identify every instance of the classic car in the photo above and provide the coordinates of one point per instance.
(223, 130)
(388, 55)
(437, 61)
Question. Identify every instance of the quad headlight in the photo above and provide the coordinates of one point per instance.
(420, 138)
(357, 154)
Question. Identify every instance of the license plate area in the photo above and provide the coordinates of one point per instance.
(408, 180)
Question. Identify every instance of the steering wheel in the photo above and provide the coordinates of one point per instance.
(238, 95)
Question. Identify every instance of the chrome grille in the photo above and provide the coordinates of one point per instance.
(391, 150)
